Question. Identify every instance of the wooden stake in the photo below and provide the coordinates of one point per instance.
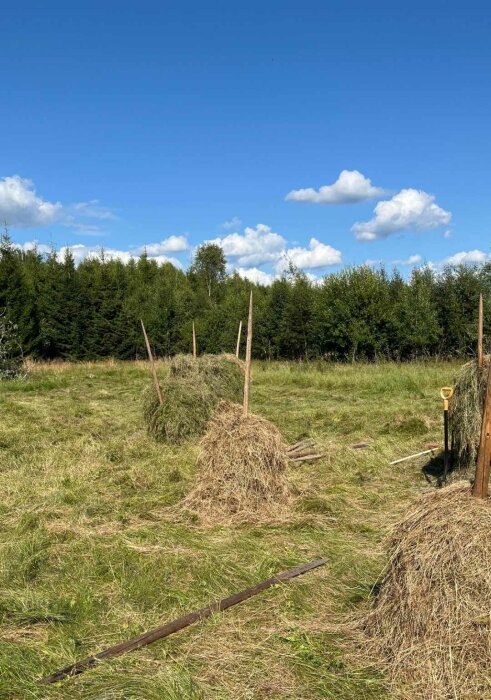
(481, 480)
(194, 342)
(152, 365)
(237, 349)
(180, 623)
(247, 377)
(480, 334)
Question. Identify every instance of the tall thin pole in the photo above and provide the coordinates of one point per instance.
(237, 349)
(247, 377)
(194, 342)
(481, 481)
(152, 365)
(479, 334)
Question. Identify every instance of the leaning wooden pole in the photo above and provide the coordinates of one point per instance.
(152, 365)
(481, 480)
(180, 623)
(247, 376)
(480, 333)
(194, 342)
(237, 349)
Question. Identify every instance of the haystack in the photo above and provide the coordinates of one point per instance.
(224, 374)
(430, 624)
(241, 469)
(190, 393)
(465, 413)
(185, 411)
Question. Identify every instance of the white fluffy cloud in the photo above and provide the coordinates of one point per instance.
(350, 187)
(173, 244)
(317, 255)
(21, 207)
(235, 222)
(253, 274)
(256, 246)
(411, 260)
(408, 210)
(469, 257)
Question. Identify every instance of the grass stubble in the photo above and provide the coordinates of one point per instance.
(86, 560)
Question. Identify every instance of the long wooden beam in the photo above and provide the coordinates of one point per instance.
(481, 480)
(180, 623)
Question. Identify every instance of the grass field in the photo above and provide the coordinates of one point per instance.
(94, 548)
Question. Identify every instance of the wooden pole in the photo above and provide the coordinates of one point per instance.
(194, 342)
(247, 376)
(237, 349)
(180, 623)
(481, 480)
(480, 334)
(152, 365)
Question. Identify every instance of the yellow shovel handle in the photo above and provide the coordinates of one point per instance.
(446, 393)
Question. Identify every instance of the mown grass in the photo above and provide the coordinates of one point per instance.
(90, 553)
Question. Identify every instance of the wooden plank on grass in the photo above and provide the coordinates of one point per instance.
(180, 623)
(152, 365)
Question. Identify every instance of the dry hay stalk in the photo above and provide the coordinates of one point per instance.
(241, 469)
(430, 624)
(465, 413)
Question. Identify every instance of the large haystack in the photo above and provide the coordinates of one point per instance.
(190, 393)
(430, 625)
(184, 413)
(241, 469)
(465, 413)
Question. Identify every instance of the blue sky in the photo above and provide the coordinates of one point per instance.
(126, 124)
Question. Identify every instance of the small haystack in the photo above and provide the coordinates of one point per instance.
(189, 394)
(187, 406)
(223, 374)
(430, 624)
(465, 413)
(241, 469)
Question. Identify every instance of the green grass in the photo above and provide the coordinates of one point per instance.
(92, 550)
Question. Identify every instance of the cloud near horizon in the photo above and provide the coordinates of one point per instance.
(408, 210)
(350, 187)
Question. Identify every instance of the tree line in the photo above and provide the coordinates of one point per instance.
(93, 310)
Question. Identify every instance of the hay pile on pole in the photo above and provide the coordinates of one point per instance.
(242, 463)
(465, 413)
(179, 407)
(430, 624)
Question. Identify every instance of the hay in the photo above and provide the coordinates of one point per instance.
(188, 404)
(224, 374)
(430, 624)
(190, 393)
(241, 469)
(465, 413)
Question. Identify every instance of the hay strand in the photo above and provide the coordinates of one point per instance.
(430, 623)
(247, 378)
(241, 469)
(152, 365)
(480, 333)
(237, 349)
